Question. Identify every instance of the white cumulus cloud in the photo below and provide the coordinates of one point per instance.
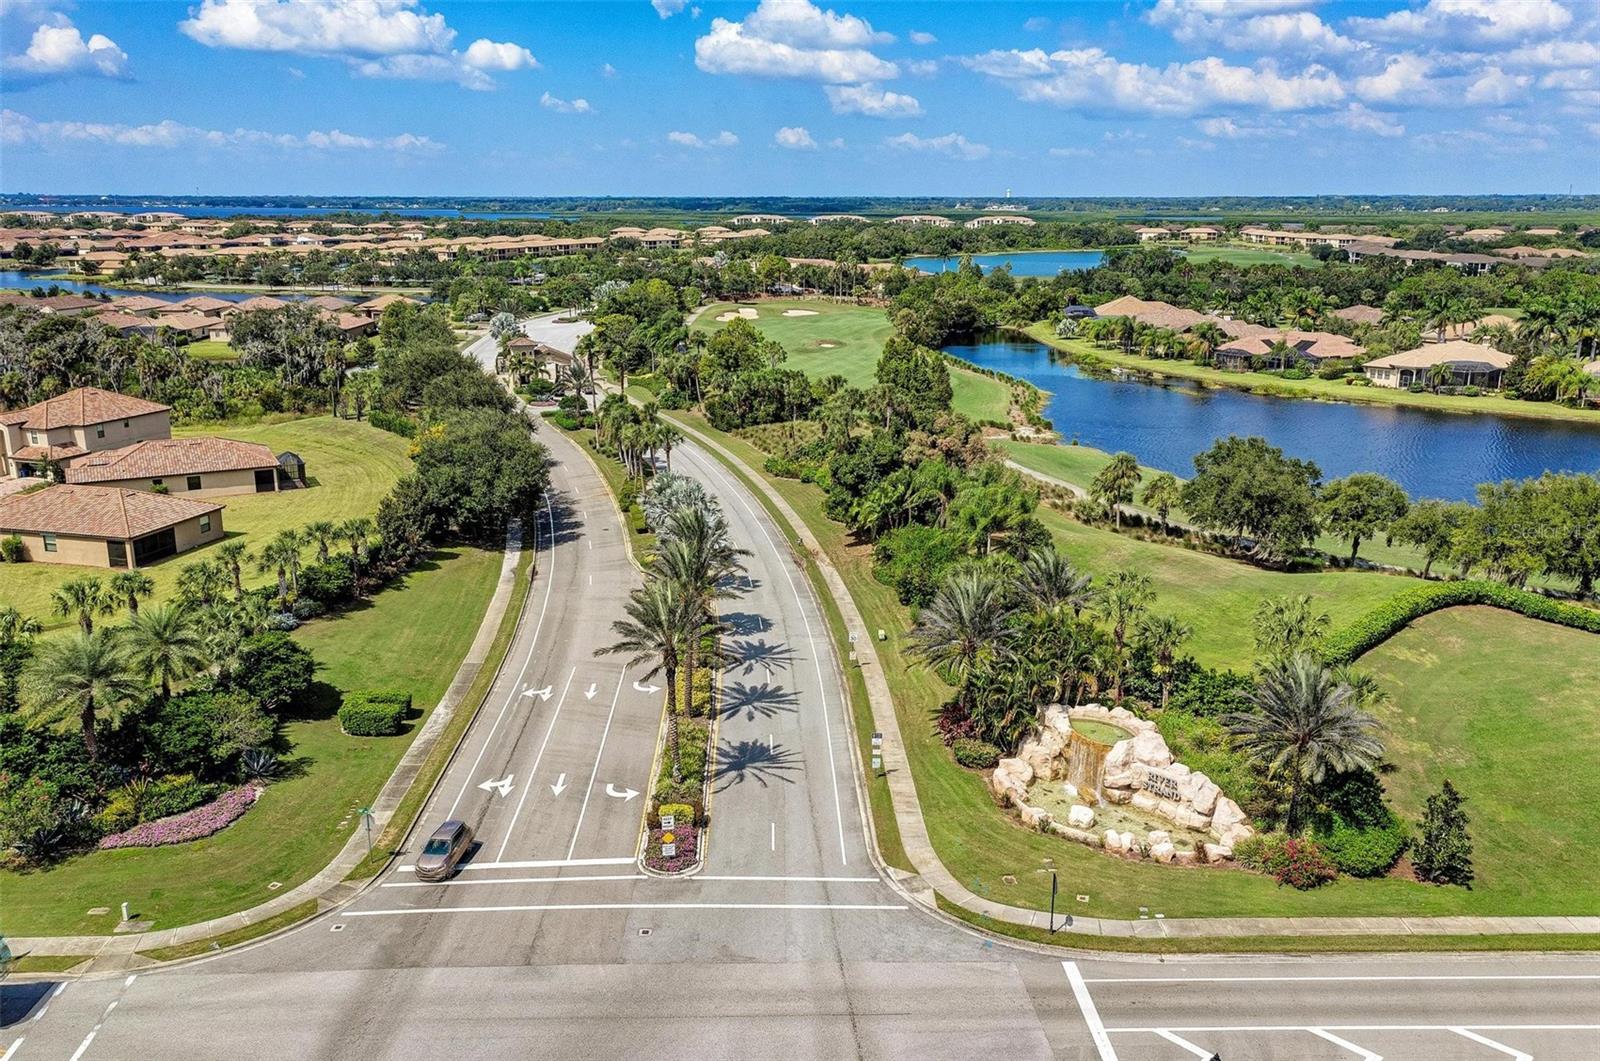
(1445, 22)
(794, 137)
(684, 139)
(953, 145)
(920, 37)
(1250, 27)
(871, 100)
(484, 54)
(668, 8)
(58, 49)
(565, 106)
(794, 39)
(17, 129)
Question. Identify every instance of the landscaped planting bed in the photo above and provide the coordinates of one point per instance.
(190, 825)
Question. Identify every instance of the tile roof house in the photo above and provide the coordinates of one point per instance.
(1155, 314)
(1471, 364)
(199, 466)
(138, 305)
(1360, 314)
(85, 420)
(101, 526)
(1312, 347)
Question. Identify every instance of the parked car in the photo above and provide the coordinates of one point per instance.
(445, 848)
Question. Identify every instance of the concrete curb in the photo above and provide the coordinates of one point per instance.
(329, 886)
(932, 876)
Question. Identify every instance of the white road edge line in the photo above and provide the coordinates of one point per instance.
(84, 1046)
(513, 880)
(1180, 1041)
(1091, 1016)
(534, 771)
(816, 657)
(595, 773)
(1475, 1037)
(540, 863)
(556, 907)
(13, 1048)
(803, 880)
(1123, 1029)
(1360, 1051)
(516, 687)
(1326, 979)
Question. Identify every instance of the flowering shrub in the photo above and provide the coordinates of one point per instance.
(191, 825)
(1304, 866)
(687, 837)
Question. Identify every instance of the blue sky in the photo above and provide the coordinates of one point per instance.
(1148, 97)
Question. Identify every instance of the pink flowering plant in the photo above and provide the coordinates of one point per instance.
(196, 824)
(687, 839)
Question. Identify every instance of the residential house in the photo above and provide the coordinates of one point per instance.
(86, 420)
(67, 304)
(376, 306)
(1151, 234)
(1471, 364)
(99, 526)
(138, 305)
(922, 219)
(198, 466)
(126, 324)
(989, 220)
(1155, 314)
(1201, 234)
(1298, 348)
(828, 219)
(1360, 314)
(250, 305)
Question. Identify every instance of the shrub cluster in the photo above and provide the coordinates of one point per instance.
(393, 423)
(1369, 851)
(374, 712)
(1389, 618)
(975, 754)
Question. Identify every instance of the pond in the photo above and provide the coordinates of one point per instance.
(1165, 424)
(1023, 263)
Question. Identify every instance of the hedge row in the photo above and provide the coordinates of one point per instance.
(1392, 616)
(394, 423)
(374, 713)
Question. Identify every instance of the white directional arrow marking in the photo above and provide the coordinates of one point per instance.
(625, 795)
(588, 694)
(502, 786)
(647, 688)
(560, 786)
(543, 694)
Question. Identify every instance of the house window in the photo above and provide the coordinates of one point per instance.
(124, 423)
(205, 524)
(33, 437)
(49, 542)
(154, 483)
(100, 431)
(193, 482)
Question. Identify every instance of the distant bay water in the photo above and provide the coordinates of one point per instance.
(1023, 263)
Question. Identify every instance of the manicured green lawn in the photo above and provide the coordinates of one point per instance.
(981, 846)
(212, 350)
(1505, 707)
(1242, 255)
(350, 465)
(847, 339)
(409, 637)
(1328, 390)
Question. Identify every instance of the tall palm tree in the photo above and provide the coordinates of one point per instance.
(1049, 582)
(131, 586)
(1114, 485)
(1163, 636)
(356, 531)
(967, 624)
(1440, 375)
(321, 532)
(668, 437)
(234, 554)
(659, 618)
(166, 644)
(700, 558)
(79, 677)
(14, 626)
(83, 598)
(1304, 725)
(1123, 601)
(203, 582)
(281, 555)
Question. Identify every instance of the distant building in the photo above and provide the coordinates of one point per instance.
(989, 220)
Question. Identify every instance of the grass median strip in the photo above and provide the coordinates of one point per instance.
(291, 916)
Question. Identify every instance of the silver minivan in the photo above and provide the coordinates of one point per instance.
(446, 847)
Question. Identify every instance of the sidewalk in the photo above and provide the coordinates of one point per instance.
(328, 887)
(932, 877)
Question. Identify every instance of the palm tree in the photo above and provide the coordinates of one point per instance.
(659, 617)
(356, 531)
(1440, 375)
(131, 586)
(321, 532)
(1049, 582)
(14, 626)
(1304, 725)
(966, 625)
(234, 554)
(700, 559)
(1288, 626)
(83, 599)
(166, 644)
(1114, 485)
(668, 436)
(281, 554)
(1163, 493)
(1123, 600)
(1163, 635)
(203, 582)
(80, 677)
(1208, 337)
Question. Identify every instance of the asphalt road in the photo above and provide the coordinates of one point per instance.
(552, 944)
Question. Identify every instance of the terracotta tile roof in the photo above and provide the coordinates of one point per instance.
(159, 458)
(68, 303)
(383, 302)
(1456, 351)
(187, 322)
(206, 304)
(1360, 314)
(97, 511)
(85, 407)
(328, 302)
(138, 304)
(260, 302)
(1156, 314)
(126, 322)
(49, 453)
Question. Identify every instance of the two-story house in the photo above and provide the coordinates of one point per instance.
(87, 420)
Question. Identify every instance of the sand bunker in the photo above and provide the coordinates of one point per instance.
(826, 345)
(747, 312)
(799, 313)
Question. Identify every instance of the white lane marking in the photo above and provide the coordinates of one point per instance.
(549, 907)
(13, 1048)
(1121, 1029)
(131, 978)
(588, 694)
(560, 785)
(1324, 979)
(598, 755)
(1360, 1051)
(540, 863)
(816, 656)
(1180, 1041)
(1491, 1044)
(774, 835)
(49, 998)
(502, 786)
(550, 578)
(522, 799)
(804, 880)
(512, 880)
(1091, 1016)
(84, 1046)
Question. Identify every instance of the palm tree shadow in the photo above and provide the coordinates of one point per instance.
(743, 624)
(764, 700)
(754, 761)
(769, 656)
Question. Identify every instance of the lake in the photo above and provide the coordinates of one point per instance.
(22, 280)
(1023, 263)
(420, 212)
(1164, 425)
